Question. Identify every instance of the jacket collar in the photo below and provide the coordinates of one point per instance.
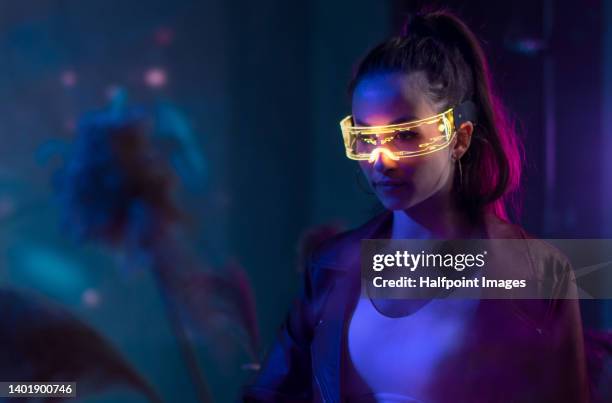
(338, 253)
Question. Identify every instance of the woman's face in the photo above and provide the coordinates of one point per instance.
(391, 98)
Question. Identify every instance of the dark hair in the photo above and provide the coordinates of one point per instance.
(440, 45)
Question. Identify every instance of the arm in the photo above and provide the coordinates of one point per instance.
(563, 375)
(568, 338)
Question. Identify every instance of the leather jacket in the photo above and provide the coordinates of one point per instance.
(519, 350)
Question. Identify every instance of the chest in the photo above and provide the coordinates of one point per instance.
(399, 355)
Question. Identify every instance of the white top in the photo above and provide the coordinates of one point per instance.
(394, 359)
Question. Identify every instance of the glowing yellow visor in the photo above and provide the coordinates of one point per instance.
(410, 139)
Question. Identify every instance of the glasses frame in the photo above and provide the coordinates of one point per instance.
(432, 145)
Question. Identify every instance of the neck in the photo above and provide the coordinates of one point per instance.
(437, 217)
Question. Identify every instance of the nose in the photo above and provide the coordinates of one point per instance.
(383, 159)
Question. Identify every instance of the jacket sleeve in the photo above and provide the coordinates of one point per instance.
(563, 376)
(567, 338)
(286, 374)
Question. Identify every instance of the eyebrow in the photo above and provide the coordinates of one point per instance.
(403, 119)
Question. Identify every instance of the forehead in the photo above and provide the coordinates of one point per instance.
(390, 97)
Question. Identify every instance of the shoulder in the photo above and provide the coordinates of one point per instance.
(501, 229)
(537, 248)
(546, 261)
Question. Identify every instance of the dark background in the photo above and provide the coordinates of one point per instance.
(259, 89)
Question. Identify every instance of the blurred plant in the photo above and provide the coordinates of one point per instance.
(38, 334)
(235, 300)
(116, 189)
(174, 133)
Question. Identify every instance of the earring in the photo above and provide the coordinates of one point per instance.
(460, 172)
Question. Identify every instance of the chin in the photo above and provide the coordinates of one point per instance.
(402, 200)
(396, 207)
(397, 203)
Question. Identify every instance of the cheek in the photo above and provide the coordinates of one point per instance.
(431, 170)
(418, 169)
(424, 174)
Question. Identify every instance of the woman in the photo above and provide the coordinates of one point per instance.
(435, 146)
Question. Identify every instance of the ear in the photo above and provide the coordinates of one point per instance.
(463, 138)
